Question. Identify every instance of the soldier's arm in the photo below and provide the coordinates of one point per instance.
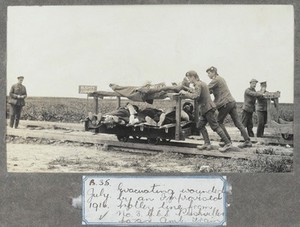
(192, 94)
(253, 93)
(12, 94)
(212, 85)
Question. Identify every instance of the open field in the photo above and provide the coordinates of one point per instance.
(75, 109)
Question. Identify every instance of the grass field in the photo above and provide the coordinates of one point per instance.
(74, 110)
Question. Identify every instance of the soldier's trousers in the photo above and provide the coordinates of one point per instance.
(262, 120)
(15, 114)
(210, 117)
(248, 122)
(230, 108)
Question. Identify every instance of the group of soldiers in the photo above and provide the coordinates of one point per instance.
(225, 104)
(200, 91)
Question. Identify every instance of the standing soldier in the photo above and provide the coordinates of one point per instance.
(207, 110)
(250, 96)
(261, 110)
(225, 104)
(17, 96)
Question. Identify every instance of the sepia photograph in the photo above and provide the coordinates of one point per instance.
(150, 89)
(149, 113)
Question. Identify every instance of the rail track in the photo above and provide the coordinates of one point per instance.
(75, 133)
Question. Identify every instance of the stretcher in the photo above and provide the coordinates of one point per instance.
(179, 130)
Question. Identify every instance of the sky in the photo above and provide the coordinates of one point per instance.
(58, 48)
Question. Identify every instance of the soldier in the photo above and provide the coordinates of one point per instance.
(17, 96)
(250, 96)
(225, 104)
(261, 110)
(207, 110)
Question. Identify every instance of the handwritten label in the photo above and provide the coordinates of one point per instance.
(154, 200)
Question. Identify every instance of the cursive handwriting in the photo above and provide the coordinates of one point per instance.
(156, 200)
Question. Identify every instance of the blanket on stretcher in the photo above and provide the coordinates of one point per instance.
(145, 93)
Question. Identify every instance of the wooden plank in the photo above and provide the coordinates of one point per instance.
(118, 102)
(269, 112)
(196, 112)
(262, 140)
(114, 94)
(194, 151)
(276, 104)
(87, 137)
(54, 125)
(96, 100)
(235, 135)
(173, 96)
(272, 95)
(178, 118)
(103, 94)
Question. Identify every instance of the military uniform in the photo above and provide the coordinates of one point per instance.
(16, 103)
(207, 110)
(261, 110)
(226, 105)
(250, 97)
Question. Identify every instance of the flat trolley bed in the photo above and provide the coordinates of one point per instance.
(176, 131)
(153, 133)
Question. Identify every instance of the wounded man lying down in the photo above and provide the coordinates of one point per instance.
(149, 92)
(131, 114)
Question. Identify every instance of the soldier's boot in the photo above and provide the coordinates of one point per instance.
(11, 121)
(150, 121)
(250, 133)
(206, 145)
(161, 119)
(222, 144)
(99, 117)
(17, 123)
(225, 131)
(131, 109)
(224, 138)
(245, 144)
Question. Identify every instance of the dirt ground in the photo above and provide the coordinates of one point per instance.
(36, 155)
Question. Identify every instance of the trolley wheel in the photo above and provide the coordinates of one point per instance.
(122, 138)
(153, 141)
(136, 137)
(166, 140)
(287, 136)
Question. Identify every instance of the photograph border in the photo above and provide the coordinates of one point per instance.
(43, 199)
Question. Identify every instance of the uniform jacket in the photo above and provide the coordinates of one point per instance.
(261, 104)
(221, 92)
(202, 95)
(250, 96)
(18, 89)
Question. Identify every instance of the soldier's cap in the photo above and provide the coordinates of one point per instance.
(253, 80)
(212, 69)
(20, 77)
(191, 73)
(264, 83)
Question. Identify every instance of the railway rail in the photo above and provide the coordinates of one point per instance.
(74, 133)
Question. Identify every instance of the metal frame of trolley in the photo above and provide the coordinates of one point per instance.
(283, 132)
(177, 131)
